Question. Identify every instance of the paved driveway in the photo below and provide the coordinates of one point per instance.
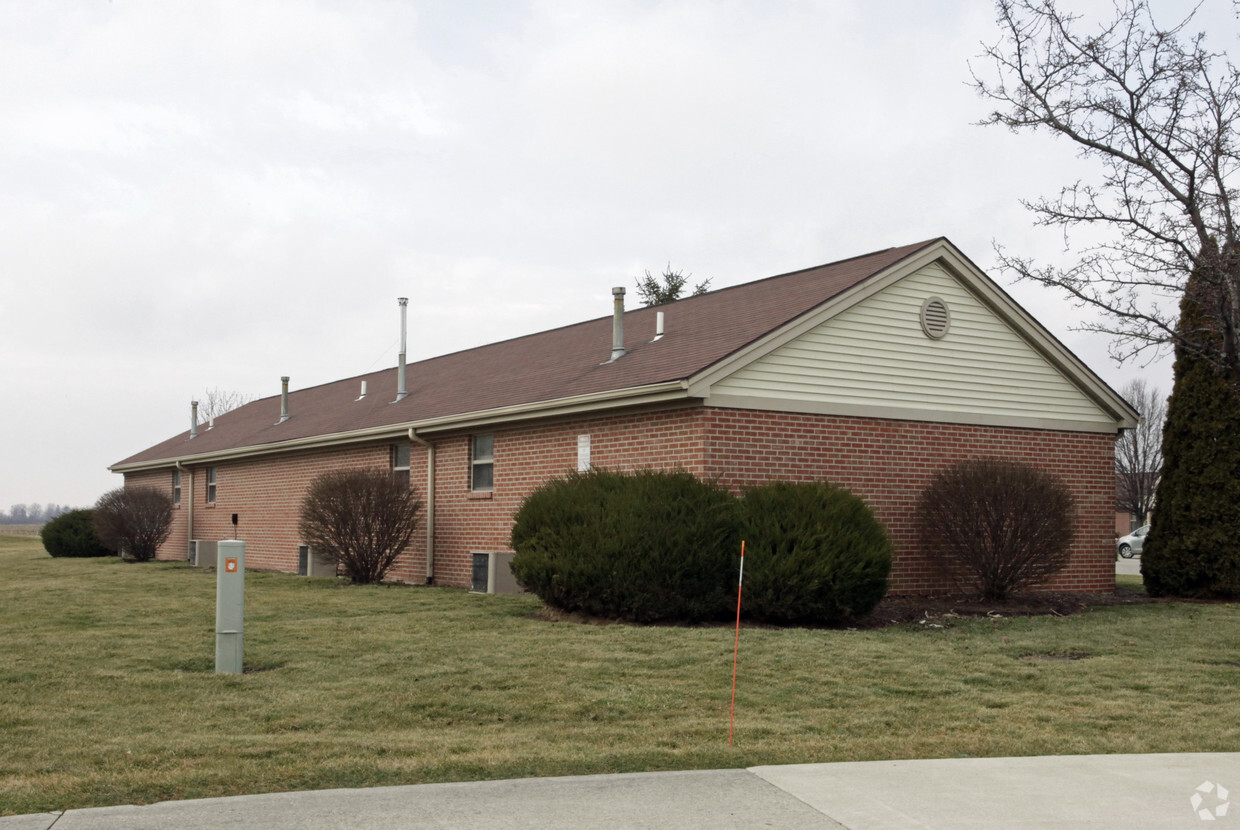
(1095, 792)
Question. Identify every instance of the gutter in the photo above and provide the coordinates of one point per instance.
(430, 503)
(654, 393)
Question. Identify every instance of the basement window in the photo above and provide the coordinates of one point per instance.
(400, 464)
(482, 463)
(211, 485)
(176, 486)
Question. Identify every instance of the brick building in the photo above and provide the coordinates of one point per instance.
(872, 373)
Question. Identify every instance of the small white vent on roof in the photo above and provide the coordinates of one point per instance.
(935, 318)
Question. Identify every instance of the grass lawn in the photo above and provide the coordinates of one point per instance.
(108, 696)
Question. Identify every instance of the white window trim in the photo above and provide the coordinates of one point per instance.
(475, 462)
(395, 459)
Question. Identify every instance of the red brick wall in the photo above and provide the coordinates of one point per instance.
(175, 547)
(265, 493)
(886, 462)
(525, 457)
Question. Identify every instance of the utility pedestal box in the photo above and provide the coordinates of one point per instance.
(230, 607)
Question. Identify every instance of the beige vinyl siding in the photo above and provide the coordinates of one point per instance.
(875, 354)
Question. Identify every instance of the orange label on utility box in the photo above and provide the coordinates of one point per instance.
(230, 564)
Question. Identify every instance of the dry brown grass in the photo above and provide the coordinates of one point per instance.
(107, 693)
(21, 530)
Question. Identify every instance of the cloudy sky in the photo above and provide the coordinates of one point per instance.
(212, 195)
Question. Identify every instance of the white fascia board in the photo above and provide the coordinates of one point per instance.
(891, 413)
(1059, 355)
(580, 404)
(640, 395)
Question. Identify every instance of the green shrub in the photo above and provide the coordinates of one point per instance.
(814, 553)
(643, 546)
(71, 534)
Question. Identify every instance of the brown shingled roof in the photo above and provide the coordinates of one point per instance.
(548, 366)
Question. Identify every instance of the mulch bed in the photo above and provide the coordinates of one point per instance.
(936, 610)
(900, 610)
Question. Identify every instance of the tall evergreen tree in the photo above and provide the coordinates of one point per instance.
(1193, 549)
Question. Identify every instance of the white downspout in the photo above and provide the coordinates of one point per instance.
(189, 514)
(430, 503)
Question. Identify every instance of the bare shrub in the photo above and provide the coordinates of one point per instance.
(133, 521)
(361, 520)
(1003, 525)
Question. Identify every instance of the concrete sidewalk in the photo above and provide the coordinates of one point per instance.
(1086, 791)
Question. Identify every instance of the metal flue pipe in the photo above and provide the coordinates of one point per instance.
(401, 390)
(617, 323)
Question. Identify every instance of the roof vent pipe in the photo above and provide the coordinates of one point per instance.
(658, 326)
(617, 323)
(193, 419)
(359, 397)
(283, 400)
(401, 392)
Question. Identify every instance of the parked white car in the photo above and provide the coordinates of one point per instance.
(1130, 545)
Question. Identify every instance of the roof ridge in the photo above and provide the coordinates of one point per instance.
(913, 249)
(547, 365)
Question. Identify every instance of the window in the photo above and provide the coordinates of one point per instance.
(211, 485)
(583, 453)
(176, 486)
(400, 463)
(482, 463)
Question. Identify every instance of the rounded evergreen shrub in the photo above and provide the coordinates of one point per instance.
(814, 553)
(643, 546)
(72, 534)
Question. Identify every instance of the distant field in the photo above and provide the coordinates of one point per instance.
(108, 694)
(21, 530)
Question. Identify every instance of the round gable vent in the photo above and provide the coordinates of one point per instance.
(935, 318)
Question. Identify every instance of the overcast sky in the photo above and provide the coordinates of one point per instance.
(214, 194)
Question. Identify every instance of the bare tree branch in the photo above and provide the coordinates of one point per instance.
(361, 519)
(1158, 111)
(215, 402)
(1138, 452)
(133, 521)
